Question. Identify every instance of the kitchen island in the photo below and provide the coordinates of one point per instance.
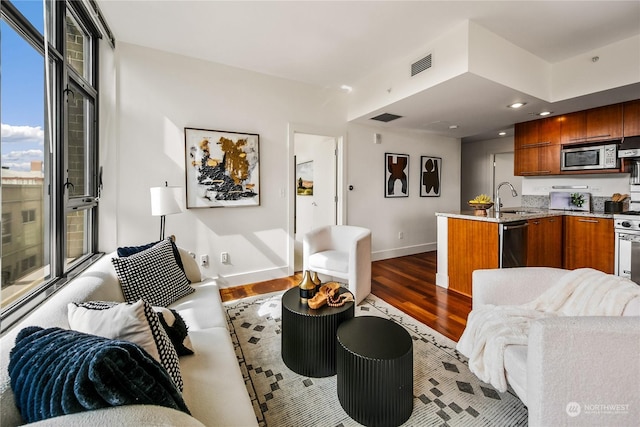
(467, 242)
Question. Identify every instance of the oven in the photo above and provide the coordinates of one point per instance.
(627, 250)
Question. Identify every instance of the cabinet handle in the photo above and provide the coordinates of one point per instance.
(536, 222)
(535, 172)
(537, 144)
(552, 220)
(590, 137)
(593, 221)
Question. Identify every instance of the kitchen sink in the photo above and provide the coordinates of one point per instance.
(519, 211)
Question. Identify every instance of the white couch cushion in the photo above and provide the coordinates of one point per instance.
(131, 415)
(515, 366)
(201, 309)
(208, 391)
(336, 261)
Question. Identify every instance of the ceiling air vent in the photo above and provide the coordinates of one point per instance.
(421, 65)
(386, 117)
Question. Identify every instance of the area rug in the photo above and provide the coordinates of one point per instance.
(446, 393)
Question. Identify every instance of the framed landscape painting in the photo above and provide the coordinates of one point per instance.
(430, 174)
(396, 183)
(222, 168)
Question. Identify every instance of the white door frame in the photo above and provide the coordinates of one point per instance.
(291, 176)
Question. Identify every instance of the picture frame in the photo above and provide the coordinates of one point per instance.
(222, 168)
(304, 178)
(430, 176)
(396, 178)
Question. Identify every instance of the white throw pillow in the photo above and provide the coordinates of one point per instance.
(135, 322)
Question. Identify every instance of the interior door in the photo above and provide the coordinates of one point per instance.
(503, 171)
(316, 189)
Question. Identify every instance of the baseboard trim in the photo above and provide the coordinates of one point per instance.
(404, 251)
(252, 277)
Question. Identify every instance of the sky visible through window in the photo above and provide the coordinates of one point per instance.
(22, 94)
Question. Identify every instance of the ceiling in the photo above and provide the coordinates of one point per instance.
(335, 43)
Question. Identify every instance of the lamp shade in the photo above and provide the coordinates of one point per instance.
(165, 200)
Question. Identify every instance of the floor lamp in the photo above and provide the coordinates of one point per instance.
(165, 201)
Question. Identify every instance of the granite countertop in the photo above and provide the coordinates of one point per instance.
(526, 213)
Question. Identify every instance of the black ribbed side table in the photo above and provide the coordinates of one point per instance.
(309, 336)
(375, 371)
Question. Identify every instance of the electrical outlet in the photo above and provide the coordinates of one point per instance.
(224, 257)
(204, 260)
(401, 235)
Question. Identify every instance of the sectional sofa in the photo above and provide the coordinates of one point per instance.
(214, 390)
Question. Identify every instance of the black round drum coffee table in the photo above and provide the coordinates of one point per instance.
(375, 371)
(309, 336)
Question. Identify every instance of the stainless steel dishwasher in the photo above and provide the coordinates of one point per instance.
(513, 244)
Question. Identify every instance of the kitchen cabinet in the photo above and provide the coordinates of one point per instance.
(631, 118)
(544, 242)
(471, 245)
(589, 242)
(594, 125)
(536, 147)
(539, 160)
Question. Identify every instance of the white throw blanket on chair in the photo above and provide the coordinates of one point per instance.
(490, 329)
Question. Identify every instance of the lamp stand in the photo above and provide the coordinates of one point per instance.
(162, 221)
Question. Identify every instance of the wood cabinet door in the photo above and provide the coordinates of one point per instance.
(544, 242)
(471, 245)
(549, 159)
(573, 128)
(549, 130)
(525, 134)
(604, 123)
(525, 161)
(631, 120)
(589, 242)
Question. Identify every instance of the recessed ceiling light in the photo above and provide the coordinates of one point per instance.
(346, 88)
(453, 127)
(517, 105)
(545, 113)
(503, 133)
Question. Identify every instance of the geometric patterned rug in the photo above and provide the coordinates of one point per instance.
(446, 393)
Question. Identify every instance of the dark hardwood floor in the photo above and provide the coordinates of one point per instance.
(407, 283)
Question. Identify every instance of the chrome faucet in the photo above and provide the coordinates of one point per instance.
(514, 193)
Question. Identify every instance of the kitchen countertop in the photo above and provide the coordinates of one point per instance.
(532, 213)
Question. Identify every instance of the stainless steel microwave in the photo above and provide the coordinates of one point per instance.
(589, 158)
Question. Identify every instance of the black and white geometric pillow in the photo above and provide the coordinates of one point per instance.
(152, 275)
(176, 329)
(136, 322)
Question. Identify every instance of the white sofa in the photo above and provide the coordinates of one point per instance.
(578, 370)
(342, 252)
(214, 389)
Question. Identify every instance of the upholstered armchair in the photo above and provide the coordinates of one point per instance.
(572, 366)
(342, 252)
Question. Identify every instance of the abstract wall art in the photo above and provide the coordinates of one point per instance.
(396, 182)
(430, 174)
(222, 168)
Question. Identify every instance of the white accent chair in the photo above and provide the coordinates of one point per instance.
(342, 252)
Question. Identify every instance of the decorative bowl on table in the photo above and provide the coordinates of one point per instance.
(480, 208)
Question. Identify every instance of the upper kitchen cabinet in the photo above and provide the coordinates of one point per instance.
(537, 149)
(631, 118)
(594, 125)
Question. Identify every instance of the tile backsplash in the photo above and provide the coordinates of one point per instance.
(542, 202)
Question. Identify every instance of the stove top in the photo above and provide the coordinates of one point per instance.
(628, 213)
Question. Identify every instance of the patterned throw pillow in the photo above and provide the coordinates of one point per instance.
(176, 329)
(135, 322)
(126, 251)
(152, 275)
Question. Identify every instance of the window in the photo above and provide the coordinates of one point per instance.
(6, 228)
(49, 146)
(28, 216)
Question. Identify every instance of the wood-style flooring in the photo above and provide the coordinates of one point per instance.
(407, 283)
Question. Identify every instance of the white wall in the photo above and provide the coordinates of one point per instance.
(413, 215)
(158, 94)
(477, 169)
